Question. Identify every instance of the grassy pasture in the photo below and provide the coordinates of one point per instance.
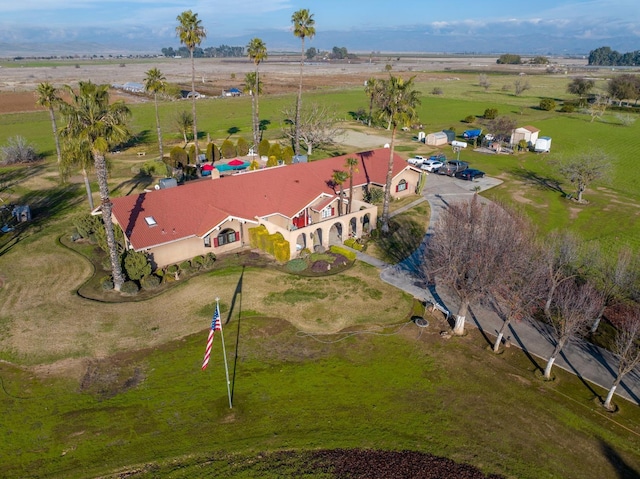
(293, 391)
(141, 397)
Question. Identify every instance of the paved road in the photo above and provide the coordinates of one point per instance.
(588, 362)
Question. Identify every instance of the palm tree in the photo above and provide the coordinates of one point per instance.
(351, 164)
(303, 26)
(372, 89)
(48, 98)
(184, 122)
(257, 51)
(77, 152)
(338, 178)
(398, 101)
(191, 33)
(92, 119)
(154, 82)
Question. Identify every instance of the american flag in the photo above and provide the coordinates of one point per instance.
(215, 326)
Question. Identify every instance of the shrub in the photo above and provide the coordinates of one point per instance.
(107, 283)
(374, 195)
(276, 151)
(490, 113)
(242, 147)
(150, 282)
(192, 154)
(228, 149)
(263, 147)
(136, 264)
(172, 269)
(272, 161)
(197, 262)
(209, 260)
(86, 225)
(129, 287)
(350, 255)
(437, 91)
(209, 152)
(177, 155)
(353, 243)
(287, 155)
(17, 151)
(547, 104)
(186, 266)
(340, 260)
(567, 108)
(296, 265)
(469, 119)
(154, 167)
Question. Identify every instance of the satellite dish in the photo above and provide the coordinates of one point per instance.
(157, 187)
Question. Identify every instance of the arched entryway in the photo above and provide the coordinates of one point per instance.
(335, 234)
(353, 225)
(366, 223)
(301, 242)
(317, 239)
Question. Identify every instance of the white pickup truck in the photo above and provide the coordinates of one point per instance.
(416, 160)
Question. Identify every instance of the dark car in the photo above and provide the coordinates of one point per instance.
(452, 167)
(470, 174)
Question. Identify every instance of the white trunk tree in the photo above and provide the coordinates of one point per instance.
(572, 309)
(626, 347)
(471, 246)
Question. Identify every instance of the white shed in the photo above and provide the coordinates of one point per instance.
(436, 139)
(527, 133)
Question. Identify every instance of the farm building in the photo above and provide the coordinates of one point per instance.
(526, 133)
(436, 139)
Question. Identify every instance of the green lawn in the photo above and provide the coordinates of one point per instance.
(293, 391)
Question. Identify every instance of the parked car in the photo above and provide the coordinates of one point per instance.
(439, 157)
(416, 160)
(451, 167)
(431, 165)
(470, 174)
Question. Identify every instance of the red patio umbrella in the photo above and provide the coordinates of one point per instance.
(207, 167)
(236, 162)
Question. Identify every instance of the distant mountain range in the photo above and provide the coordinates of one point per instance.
(412, 39)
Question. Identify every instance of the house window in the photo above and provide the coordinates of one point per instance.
(402, 185)
(207, 241)
(225, 237)
(151, 221)
(327, 212)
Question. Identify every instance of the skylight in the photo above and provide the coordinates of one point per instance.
(151, 221)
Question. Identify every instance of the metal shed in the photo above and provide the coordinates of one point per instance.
(436, 139)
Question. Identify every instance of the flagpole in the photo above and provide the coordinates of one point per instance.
(224, 352)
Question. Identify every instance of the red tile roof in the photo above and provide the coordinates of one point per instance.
(196, 208)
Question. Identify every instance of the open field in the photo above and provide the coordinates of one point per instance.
(91, 388)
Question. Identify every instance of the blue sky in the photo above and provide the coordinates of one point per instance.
(545, 26)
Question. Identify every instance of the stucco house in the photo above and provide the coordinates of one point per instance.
(299, 201)
(527, 133)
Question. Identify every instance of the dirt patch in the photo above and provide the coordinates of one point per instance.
(109, 377)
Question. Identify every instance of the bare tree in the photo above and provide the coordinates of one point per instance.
(560, 258)
(472, 244)
(520, 86)
(318, 125)
(585, 168)
(518, 293)
(626, 347)
(483, 81)
(612, 275)
(574, 306)
(502, 126)
(597, 107)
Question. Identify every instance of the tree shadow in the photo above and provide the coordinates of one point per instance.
(11, 176)
(140, 180)
(536, 180)
(623, 470)
(581, 378)
(232, 131)
(524, 349)
(404, 238)
(142, 137)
